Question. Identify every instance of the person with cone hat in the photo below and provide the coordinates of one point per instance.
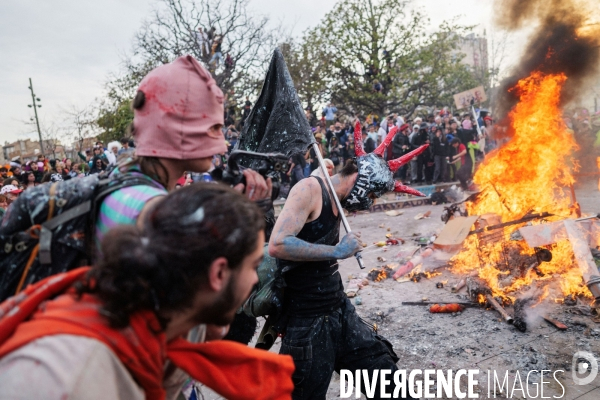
(320, 327)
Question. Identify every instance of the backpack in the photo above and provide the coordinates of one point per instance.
(49, 229)
(267, 296)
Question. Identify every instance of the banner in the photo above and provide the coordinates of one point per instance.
(463, 99)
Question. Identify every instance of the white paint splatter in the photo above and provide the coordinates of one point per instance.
(196, 217)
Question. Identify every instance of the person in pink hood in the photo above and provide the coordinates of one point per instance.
(178, 116)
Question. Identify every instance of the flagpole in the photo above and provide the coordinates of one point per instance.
(317, 151)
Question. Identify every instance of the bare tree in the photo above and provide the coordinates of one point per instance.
(51, 134)
(79, 125)
(172, 32)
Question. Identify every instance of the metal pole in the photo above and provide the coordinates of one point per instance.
(335, 199)
(37, 122)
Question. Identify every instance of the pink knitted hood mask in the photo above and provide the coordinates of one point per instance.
(182, 101)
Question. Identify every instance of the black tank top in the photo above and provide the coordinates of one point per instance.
(315, 288)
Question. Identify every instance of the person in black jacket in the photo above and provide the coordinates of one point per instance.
(400, 147)
(368, 143)
(440, 152)
(421, 138)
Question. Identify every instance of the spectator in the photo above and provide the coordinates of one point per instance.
(217, 52)
(233, 138)
(456, 157)
(68, 165)
(211, 33)
(328, 165)
(125, 149)
(377, 86)
(3, 206)
(465, 172)
(368, 142)
(16, 172)
(335, 151)
(12, 181)
(98, 165)
(419, 138)
(29, 180)
(11, 192)
(311, 117)
(113, 152)
(401, 146)
(329, 113)
(37, 172)
(314, 161)
(229, 64)
(440, 152)
(296, 171)
(202, 41)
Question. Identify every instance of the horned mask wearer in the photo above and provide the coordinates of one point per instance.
(375, 175)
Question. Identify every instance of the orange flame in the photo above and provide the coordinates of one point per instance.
(527, 174)
(481, 299)
(598, 164)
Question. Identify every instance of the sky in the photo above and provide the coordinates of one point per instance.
(70, 47)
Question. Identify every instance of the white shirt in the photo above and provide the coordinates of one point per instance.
(66, 367)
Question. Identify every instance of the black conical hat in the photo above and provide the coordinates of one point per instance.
(277, 123)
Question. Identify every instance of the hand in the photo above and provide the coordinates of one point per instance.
(349, 246)
(256, 188)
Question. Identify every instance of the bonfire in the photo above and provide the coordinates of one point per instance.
(528, 179)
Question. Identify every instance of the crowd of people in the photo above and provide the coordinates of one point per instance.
(19, 176)
(455, 142)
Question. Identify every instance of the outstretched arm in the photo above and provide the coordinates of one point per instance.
(298, 210)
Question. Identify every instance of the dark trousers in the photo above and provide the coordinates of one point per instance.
(331, 342)
(464, 174)
(440, 169)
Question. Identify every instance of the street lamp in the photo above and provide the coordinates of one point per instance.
(35, 107)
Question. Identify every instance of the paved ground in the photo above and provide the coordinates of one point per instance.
(476, 338)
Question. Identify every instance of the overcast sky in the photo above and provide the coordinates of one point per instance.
(69, 47)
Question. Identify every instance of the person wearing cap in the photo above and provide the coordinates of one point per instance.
(11, 192)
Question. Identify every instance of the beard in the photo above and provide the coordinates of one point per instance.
(222, 311)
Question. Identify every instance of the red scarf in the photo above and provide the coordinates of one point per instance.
(231, 369)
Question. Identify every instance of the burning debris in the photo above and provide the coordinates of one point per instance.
(380, 274)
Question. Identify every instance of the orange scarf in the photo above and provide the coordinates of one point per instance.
(231, 369)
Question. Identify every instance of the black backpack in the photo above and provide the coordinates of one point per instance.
(50, 229)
